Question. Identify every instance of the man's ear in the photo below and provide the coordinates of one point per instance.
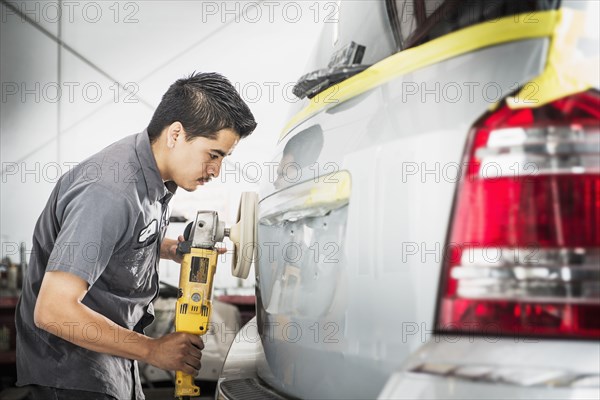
(175, 132)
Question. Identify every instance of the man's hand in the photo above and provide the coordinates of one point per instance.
(168, 249)
(177, 351)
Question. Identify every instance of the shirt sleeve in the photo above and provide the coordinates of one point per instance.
(93, 224)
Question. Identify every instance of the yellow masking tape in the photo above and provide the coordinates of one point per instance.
(567, 71)
(329, 189)
(503, 30)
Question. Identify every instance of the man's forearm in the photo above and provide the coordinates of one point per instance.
(84, 327)
(166, 247)
(60, 311)
(173, 352)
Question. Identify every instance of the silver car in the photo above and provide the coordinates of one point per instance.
(433, 226)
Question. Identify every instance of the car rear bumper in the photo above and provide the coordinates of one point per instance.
(469, 367)
(409, 385)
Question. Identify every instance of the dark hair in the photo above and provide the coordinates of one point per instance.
(204, 103)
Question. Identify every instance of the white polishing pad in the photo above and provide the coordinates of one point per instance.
(243, 235)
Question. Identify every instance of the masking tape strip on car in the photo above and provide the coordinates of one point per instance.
(307, 199)
(490, 33)
(567, 71)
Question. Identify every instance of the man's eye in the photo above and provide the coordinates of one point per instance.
(214, 156)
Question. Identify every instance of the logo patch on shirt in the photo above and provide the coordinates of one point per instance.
(148, 232)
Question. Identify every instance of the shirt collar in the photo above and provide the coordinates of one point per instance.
(157, 190)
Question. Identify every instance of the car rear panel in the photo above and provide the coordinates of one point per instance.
(344, 292)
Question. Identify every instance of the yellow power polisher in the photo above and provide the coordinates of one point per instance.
(193, 308)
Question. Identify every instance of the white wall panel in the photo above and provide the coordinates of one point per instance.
(145, 45)
(28, 125)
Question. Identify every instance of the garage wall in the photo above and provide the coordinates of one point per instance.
(79, 75)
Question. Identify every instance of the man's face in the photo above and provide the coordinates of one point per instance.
(195, 162)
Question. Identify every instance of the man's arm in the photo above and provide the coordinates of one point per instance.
(168, 249)
(59, 310)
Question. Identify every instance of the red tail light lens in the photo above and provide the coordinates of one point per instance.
(524, 243)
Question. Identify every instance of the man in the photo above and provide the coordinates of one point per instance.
(93, 270)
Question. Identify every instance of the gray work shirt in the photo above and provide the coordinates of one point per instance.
(104, 222)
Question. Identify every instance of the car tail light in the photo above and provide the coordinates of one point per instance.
(523, 251)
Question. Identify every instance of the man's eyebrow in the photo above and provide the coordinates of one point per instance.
(219, 152)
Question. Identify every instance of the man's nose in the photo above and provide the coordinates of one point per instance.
(214, 169)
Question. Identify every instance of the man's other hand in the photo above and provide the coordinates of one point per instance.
(177, 351)
(168, 249)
